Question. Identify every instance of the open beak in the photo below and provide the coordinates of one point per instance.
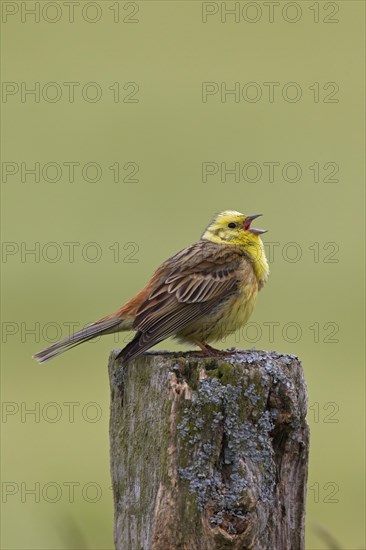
(248, 220)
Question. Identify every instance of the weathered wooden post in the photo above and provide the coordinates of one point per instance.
(209, 453)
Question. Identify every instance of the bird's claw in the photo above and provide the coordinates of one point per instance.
(207, 350)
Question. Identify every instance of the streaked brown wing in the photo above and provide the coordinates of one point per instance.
(186, 287)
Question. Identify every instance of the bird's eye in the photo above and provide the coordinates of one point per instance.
(232, 225)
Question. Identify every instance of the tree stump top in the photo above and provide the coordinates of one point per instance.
(209, 452)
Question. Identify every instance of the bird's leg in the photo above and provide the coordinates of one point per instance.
(212, 352)
(206, 349)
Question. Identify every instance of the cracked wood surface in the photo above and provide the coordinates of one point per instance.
(209, 453)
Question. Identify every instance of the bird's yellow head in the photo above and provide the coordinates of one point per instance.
(233, 228)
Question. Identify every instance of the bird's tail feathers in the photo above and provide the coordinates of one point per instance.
(104, 326)
(136, 347)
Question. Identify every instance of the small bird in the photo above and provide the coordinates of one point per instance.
(200, 295)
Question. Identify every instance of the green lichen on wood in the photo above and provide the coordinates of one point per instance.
(228, 420)
(222, 370)
(216, 429)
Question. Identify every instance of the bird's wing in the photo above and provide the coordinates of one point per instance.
(186, 287)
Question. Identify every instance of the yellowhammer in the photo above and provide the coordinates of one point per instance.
(200, 295)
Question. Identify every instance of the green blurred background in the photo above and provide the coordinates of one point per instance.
(315, 302)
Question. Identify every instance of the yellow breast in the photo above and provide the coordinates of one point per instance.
(229, 317)
(236, 312)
